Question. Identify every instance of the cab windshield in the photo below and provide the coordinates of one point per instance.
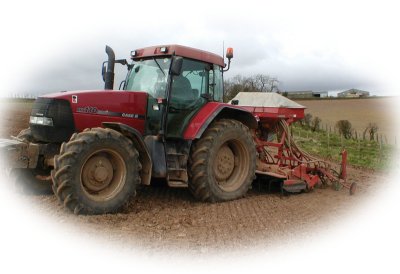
(150, 75)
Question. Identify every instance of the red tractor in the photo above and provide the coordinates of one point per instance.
(168, 121)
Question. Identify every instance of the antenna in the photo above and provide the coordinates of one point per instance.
(223, 48)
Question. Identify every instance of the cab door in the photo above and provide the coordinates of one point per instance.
(189, 92)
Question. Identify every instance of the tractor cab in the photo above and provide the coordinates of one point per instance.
(179, 81)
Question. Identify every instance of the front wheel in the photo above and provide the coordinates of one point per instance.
(222, 162)
(96, 172)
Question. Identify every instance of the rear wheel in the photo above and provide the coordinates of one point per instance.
(96, 172)
(222, 163)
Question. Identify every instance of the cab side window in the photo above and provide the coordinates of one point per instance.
(188, 87)
(216, 83)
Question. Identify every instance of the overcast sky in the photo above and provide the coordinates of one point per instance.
(308, 45)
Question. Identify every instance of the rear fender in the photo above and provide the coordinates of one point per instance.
(137, 139)
(215, 111)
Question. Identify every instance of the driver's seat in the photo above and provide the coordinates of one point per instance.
(183, 105)
(181, 88)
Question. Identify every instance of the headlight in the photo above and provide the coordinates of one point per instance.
(45, 121)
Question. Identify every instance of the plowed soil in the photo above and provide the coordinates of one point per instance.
(163, 218)
(359, 112)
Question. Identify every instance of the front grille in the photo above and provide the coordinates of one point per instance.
(63, 122)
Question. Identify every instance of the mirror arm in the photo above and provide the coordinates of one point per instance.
(122, 62)
(122, 84)
(229, 65)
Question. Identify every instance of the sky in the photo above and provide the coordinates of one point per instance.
(307, 45)
(50, 46)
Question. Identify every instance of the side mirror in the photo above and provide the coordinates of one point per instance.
(235, 102)
(103, 71)
(176, 66)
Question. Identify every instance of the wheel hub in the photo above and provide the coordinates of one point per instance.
(97, 173)
(100, 174)
(224, 163)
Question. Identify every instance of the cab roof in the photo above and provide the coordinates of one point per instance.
(179, 50)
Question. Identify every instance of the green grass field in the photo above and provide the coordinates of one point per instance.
(362, 153)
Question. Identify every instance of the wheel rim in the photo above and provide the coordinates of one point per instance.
(231, 165)
(103, 175)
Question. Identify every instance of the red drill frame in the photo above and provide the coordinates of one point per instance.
(283, 159)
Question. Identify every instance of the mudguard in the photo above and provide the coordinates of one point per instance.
(215, 110)
(139, 144)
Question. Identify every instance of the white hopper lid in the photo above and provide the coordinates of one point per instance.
(265, 99)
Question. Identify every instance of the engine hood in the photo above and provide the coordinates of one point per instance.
(109, 99)
(92, 107)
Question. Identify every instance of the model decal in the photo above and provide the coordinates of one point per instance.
(87, 110)
(94, 110)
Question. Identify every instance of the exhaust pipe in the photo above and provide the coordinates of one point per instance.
(109, 74)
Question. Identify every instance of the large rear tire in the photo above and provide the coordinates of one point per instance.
(222, 162)
(96, 172)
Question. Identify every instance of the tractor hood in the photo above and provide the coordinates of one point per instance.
(90, 108)
(104, 100)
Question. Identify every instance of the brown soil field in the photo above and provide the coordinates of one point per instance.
(162, 219)
(360, 112)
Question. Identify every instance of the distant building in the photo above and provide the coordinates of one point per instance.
(353, 93)
(306, 94)
(300, 94)
(320, 94)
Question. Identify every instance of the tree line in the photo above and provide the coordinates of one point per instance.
(344, 127)
(253, 83)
